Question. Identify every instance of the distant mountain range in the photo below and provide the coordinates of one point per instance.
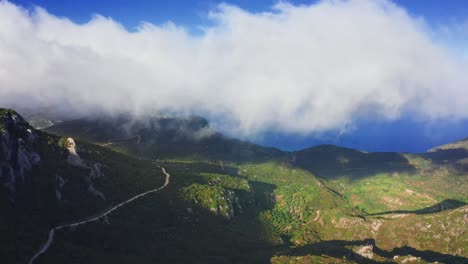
(227, 201)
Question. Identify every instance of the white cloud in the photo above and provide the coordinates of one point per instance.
(292, 69)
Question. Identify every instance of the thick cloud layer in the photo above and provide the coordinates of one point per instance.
(291, 69)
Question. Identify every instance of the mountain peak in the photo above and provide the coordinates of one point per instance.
(10, 119)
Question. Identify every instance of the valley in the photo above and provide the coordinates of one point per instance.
(228, 201)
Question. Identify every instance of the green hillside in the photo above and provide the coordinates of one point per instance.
(40, 188)
(230, 201)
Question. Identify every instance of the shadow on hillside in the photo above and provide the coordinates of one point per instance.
(331, 162)
(449, 156)
(165, 228)
(438, 207)
(264, 195)
(427, 255)
(342, 249)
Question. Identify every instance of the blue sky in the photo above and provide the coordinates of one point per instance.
(407, 133)
(189, 13)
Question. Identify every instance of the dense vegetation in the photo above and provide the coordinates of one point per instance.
(235, 202)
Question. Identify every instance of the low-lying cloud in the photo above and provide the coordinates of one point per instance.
(308, 68)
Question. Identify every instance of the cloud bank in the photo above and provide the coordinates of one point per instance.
(308, 68)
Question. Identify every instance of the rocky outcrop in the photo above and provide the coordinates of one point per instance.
(94, 168)
(73, 158)
(215, 199)
(233, 204)
(366, 251)
(21, 147)
(17, 154)
(228, 204)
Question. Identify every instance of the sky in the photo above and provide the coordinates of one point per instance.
(189, 13)
(374, 75)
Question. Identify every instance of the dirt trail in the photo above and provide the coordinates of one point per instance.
(86, 220)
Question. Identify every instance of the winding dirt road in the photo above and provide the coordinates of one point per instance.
(86, 220)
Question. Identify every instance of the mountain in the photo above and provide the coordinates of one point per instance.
(461, 144)
(188, 138)
(328, 161)
(172, 190)
(43, 183)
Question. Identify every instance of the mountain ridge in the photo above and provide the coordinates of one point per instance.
(324, 204)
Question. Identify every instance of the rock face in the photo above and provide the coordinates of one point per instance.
(233, 204)
(366, 251)
(43, 181)
(228, 205)
(73, 158)
(17, 154)
(94, 169)
(31, 160)
(213, 198)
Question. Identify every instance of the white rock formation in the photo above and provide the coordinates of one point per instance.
(73, 157)
(366, 251)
